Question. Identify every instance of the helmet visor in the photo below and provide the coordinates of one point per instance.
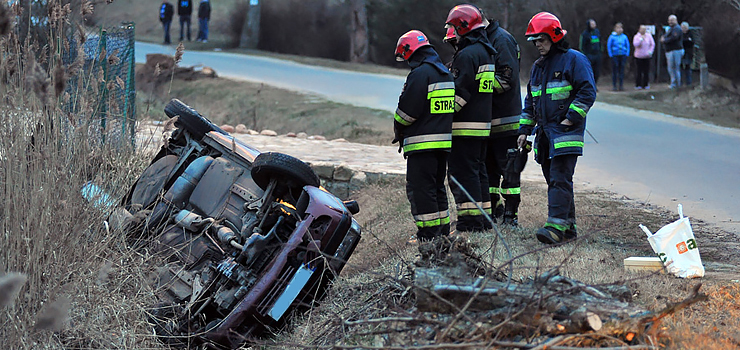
(535, 37)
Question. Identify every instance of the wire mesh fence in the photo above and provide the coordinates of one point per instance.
(103, 95)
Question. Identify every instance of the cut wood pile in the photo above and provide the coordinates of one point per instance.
(160, 69)
(461, 304)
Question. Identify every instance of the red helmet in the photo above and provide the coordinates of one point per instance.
(545, 23)
(409, 43)
(450, 35)
(465, 18)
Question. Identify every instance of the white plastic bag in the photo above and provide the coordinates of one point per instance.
(676, 247)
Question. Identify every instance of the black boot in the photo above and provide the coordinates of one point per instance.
(551, 235)
(510, 218)
(571, 232)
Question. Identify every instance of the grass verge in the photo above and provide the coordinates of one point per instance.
(260, 107)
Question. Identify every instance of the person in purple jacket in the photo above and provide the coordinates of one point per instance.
(618, 48)
(644, 48)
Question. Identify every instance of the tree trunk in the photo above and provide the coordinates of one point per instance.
(251, 32)
(505, 15)
(359, 42)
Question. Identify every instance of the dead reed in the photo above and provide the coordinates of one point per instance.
(53, 246)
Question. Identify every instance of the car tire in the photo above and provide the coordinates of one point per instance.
(190, 120)
(291, 173)
(150, 184)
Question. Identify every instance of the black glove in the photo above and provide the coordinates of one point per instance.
(398, 139)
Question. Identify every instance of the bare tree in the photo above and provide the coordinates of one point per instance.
(359, 43)
(251, 31)
(734, 3)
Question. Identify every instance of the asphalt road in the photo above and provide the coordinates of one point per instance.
(645, 156)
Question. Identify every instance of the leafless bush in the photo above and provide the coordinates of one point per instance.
(51, 234)
(310, 28)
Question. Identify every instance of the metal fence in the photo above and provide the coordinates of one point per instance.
(103, 94)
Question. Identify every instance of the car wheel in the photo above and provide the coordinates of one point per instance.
(151, 182)
(291, 173)
(190, 120)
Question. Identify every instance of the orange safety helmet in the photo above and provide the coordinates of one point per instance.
(465, 18)
(409, 43)
(545, 23)
(450, 35)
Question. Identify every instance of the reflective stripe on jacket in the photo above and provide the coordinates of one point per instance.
(475, 76)
(561, 87)
(507, 95)
(426, 104)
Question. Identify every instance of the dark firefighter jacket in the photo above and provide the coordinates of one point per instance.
(423, 119)
(507, 95)
(561, 86)
(474, 72)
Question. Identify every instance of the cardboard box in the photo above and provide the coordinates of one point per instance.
(636, 263)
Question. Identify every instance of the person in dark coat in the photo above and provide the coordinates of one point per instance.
(590, 45)
(504, 186)
(474, 72)
(688, 53)
(560, 92)
(423, 126)
(184, 10)
(204, 15)
(165, 16)
(673, 42)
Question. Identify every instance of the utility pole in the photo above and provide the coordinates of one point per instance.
(251, 32)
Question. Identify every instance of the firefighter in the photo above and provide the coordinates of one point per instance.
(473, 70)
(560, 92)
(507, 110)
(423, 126)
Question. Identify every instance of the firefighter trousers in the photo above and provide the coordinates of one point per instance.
(426, 191)
(504, 184)
(558, 172)
(467, 165)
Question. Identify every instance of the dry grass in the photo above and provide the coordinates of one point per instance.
(82, 286)
(260, 107)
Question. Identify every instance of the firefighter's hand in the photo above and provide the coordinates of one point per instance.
(566, 122)
(400, 144)
(521, 141)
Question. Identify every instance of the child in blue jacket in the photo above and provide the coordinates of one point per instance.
(618, 48)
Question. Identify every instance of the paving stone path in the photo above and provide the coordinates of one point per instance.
(374, 161)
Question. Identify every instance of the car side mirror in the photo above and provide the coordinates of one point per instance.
(352, 206)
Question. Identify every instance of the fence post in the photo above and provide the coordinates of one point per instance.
(704, 76)
(129, 110)
(103, 84)
(659, 46)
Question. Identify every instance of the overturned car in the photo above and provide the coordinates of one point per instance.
(246, 238)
